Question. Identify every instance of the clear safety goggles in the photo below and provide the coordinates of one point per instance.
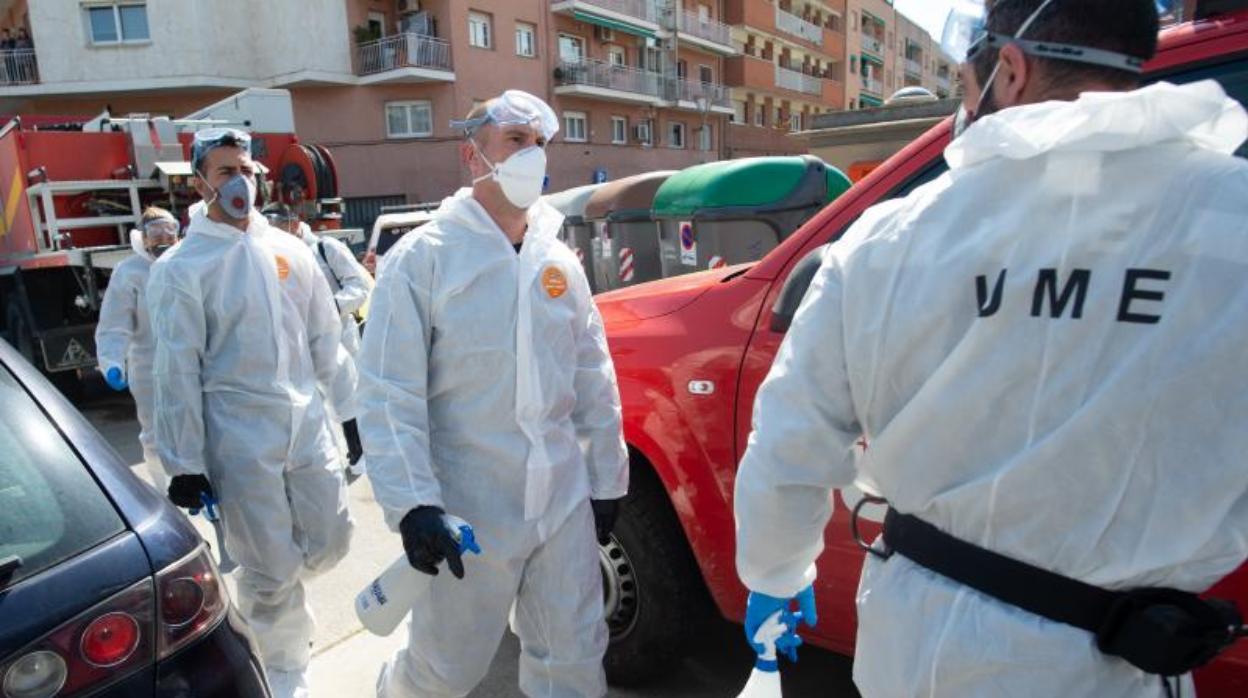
(161, 226)
(514, 107)
(210, 138)
(966, 35)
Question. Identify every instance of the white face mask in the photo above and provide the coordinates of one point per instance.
(520, 176)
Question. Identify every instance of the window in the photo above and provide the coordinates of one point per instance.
(409, 119)
(704, 14)
(571, 48)
(853, 65)
(758, 114)
(479, 33)
(619, 130)
(526, 40)
(706, 73)
(682, 69)
(645, 132)
(795, 121)
(705, 138)
(377, 23)
(51, 509)
(777, 118)
(617, 57)
(675, 134)
(575, 127)
(738, 113)
(654, 60)
(117, 23)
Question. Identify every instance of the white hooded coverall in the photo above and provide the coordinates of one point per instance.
(123, 339)
(1087, 417)
(487, 390)
(351, 285)
(246, 330)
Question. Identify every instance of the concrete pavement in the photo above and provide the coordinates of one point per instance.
(346, 658)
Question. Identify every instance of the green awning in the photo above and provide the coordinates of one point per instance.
(870, 101)
(615, 24)
(868, 57)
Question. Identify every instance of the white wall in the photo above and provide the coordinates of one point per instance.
(226, 41)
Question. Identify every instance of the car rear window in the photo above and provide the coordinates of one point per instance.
(51, 508)
(389, 236)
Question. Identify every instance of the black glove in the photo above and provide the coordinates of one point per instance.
(605, 513)
(427, 542)
(185, 490)
(355, 449)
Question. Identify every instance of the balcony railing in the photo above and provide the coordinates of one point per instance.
(792, 24)
(601, 74)
(798, 81)
(914, 67)
(403, 51)
(711, 30)
(872, 45)
(639, 9)
(18, 67)
(873, 86)
(716, 95)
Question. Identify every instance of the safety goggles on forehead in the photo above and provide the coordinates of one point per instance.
(161, 226)
(514, 108)
(210, 138)
(966, 35)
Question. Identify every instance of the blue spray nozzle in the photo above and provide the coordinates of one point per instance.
(209, 507)
(468, 540)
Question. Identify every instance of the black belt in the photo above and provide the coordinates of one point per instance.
(1161, 631)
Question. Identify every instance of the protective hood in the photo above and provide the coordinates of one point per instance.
(136, 244)
(1199, 113)
(463, 210)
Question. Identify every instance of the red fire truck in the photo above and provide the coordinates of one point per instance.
(71, 189)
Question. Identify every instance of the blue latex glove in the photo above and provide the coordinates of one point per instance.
(760, 607)
(115, 379)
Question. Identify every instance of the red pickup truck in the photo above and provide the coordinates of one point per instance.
(690, 353)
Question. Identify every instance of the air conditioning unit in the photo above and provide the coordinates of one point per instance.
(604, 33)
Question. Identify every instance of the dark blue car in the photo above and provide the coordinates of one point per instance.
(105, 588)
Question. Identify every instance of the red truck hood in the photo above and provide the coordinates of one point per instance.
(661, 297)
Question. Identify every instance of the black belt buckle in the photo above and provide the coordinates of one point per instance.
(1167, 631)
(884, 554)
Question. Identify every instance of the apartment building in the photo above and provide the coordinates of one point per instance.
(637, 83)
(791, 68)
(887, 52)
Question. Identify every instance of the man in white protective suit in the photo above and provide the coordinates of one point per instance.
(1044, 348)
(124, 344)
(246, 332)
(351, 285)
(487, 393)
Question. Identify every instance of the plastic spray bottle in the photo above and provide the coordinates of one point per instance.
(384, 603)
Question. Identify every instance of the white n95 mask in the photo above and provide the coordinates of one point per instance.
(520, 176)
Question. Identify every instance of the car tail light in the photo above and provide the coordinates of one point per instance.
(192, 600)
(99, 646)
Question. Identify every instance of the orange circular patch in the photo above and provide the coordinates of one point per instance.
(283, 267)
(555, 283)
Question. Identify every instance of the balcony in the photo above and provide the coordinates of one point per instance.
(709, 34)
(872, 45)
(18, 67)
(873, 85)
(403, 58)
(633, 16)
(914, 67)
(602, 80)
(798, 81)
(790, 23)
(685, 94)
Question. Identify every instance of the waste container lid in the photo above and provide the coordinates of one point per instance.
(625, 196)
(571, 202)
(763, 183)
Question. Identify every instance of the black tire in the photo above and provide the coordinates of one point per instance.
(660, 599)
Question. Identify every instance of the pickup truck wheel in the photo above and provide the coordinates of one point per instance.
(654, 595)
